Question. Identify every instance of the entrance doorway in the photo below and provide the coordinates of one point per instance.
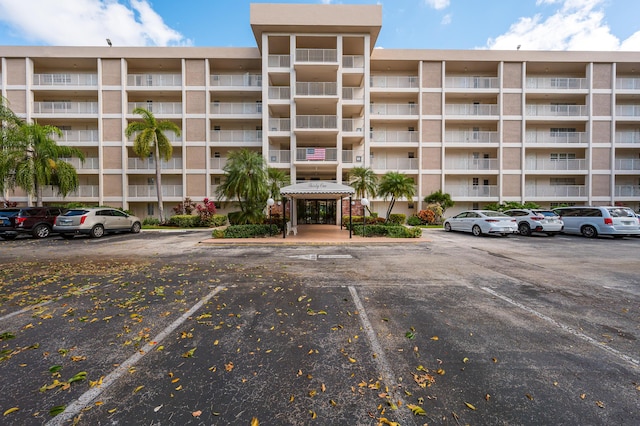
(316, 211)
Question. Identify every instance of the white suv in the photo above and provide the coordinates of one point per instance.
(545, 221)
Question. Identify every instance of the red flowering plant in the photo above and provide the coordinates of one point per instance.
(206, 210)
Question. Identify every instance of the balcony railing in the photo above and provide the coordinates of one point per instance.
(72, 136)
(236, 136)
(394, 163)
(475, 191)
(352, 61)
(316, 154)
(470, 136)
(352, 125)
(394, 136)
(471, 109)
(627, 164)
(83, 191)
(316, 89)
(64, 107)
(538, 110)
(471, 82)
(146, 191)
(89, 163)
(556, 191)
(157, 107)
(352, 93)
(154, 80)
(557, 83)
(280, 124)
(218, 163)
(556, 137)
(628, 83)
(65, 79)
(347, 156)
(236, 80)
(149, 164)
(627, 190)
(317, 55)
(471, 163)
(628, 110)
(170, 135)
(394, 109)
(543, 164)
(395, 81)
(279, 61)
(239, 108)
(279, 156)
(316, 122)
(276, 92)
(631, 136)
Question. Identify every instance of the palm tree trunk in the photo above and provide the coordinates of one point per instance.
(391, 204)
(158, 180)
(38, 192)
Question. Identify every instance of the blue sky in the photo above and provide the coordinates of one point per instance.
(406, 24)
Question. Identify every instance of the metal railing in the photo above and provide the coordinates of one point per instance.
(628, 110)
(317, 55)
(628, 83)
(475, 191)
(394, 136)
(83, 191)
(471, 83)
(76, 136)
(236, 136)
(279, 156)
(347, 156)
(353, 93)
(65, 79)
(316, 88)
(352, 125)
(279, 92)
(394, 163)
(540, 110)
(279, 61)
(628, 136)
(353, 61)
(394, 81)
(556, 191)
(89, 163)
(316, 122)
(236, 80)
(470, 136)
(471, 109)
(145, 191)
(65, 107)
(280, 124)
(627, 190)
(170, 135)
(316, 154)
(627, 163)
(154, 80)
(218, 163)
(471, 163)
(149, 164)
(393, 109)
(157, 107)
(533, 164)
(556, 137)
(557, 83)
(240, 108)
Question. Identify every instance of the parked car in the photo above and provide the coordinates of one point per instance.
(481, 222)
(36, 221)
(95, 222)
(590, 221)
(529, 221)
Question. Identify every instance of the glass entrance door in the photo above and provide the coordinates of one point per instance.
(317, 211)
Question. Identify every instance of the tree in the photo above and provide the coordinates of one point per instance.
(276, 179)
(151, 140)
(395, 185)
(246, 182)
(442, 198)
(30, 159)
(364, 181)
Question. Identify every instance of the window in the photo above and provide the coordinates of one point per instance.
(562, 156)
(216, 155)
(411, 155)
(216, 128)
(150, 209)
(562, 131)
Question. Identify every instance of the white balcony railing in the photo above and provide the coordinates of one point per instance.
(394, 81)
(317, 55)
(628, 83)
(236, 108)
(627, 163)
(316, 154)
(353, 93)
(89, 163)
(279, 156)
(394, 136)
(543, 164)
(631, 136)
(236, 80)
(353, 125)
(627, 190)
(394, 109)
(472, 191)
(65, 79)
(134, 163)
(316, 122)
(470, 136)
(83, 191)
(65, 107)
(471, 163)
(218, 163)
(236, 136)
(541, 110)
(71, 136)
(556, 137)
(280, 124)
(471, 109)
(352, 61)
(279, 61)
(154, 80)
(394, 163)
(316, 89)
(471, 82)
(170, 135)
(279, 92)
(628, 110)
(157, 107)
(146, 191)
(556, 191)
(557, 83)
(347, 156)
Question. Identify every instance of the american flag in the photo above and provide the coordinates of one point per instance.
(315, 153)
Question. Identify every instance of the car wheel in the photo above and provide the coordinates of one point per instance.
(589, 231)
(67, 236)
(9, 237)
(97, 231)
(447, 227)
(135, 228)
(524, 229)
(476, 230)
(41, 231)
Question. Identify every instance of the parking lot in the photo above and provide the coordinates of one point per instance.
(161, 329)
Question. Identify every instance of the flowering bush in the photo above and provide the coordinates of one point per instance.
(206, 211)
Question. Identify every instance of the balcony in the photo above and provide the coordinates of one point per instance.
(627, 190)
(89, 163)
(393, 109)
(316, 154)
(280, 124)
(236, 136)
(279, 156)
(65, 107)
(316, 89)
(394, 81)
(174, 163)
(77, 136)
(539, 110)
(218, 163)
(472, 191)
(394, 164)
(394, 136)
(347, 156)
(236, 80)
(471, 109)
(353, 125)
(352, 61)
(154, 80)
(556, 137)
(629, 136)
(317, 55)
(236, 108)
(557, 83)
(149, 191)
(160, 108)
(170, 135)
(353, 93)
(471, 83)
(627, 164)
(628, 83)
(470, 136)
(556, 191)
(83, 191)
(329, 122)
(65, 79)
(547, 164)
(628, 110)
(279, 61)
(453, 163)
(280, 92)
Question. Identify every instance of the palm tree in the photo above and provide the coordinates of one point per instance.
(31, 159)
(151, 140)
(442, 198)
(364, 181)
(246, 182)
(395, 185)
(276, 179)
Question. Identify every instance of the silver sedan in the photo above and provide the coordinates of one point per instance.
(480, 222)
(95, 222)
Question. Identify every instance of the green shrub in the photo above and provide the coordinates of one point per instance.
(414, 221)
(218, 220)
(392, 231)
(250, 231)
(398, 218)
(218, 233)
(184, 221)
(151, 221)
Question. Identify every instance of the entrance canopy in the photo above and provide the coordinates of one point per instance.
(317, 189)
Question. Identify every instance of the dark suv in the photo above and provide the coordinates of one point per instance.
(37, 221)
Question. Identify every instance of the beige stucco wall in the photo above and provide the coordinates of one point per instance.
(112, 157)
(601, 132)
(601, 104)
(512, 131)
(511, 185)
(432, 74)
(17, 101)
(432, 131)
(432, 104)
(196, 102)
(430, 183)
(195, 72)
(196, 157)
(431, 159)
(111, 75)
(16, 72)
(512, 104)
(196, 130)
(601, 159)
(602, 76)
(196, 185)
(112, 185)
(112, 130)
(511, 158)
(601, 185)
(512, 77)
(111, 102)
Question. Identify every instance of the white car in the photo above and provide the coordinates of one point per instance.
(544, 221)
(480, 222)
(95, 222)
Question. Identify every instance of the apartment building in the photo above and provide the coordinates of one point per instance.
(316, 98)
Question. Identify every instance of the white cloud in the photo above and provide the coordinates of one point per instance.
(446, 19)
(576, 25)
(437, 4)
(89, 22)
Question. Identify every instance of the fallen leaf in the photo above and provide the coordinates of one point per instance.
(138, 389)
(416, 410)
(600, 404)
(228, 366)
(465, 360)
(470, 406)
(435, 338)
(583, 395)
(196, 413)
(487, 397)
(11, 410)
(529, 396)
(255, 422)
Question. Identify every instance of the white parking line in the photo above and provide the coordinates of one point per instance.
(566, 328)
(85, 399)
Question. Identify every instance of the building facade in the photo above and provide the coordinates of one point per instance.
(316, 98)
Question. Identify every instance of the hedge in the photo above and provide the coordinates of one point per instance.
(246, 231)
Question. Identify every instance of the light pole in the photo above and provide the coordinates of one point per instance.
(270, 203)
(365, 204)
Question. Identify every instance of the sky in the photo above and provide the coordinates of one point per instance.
(406, 24)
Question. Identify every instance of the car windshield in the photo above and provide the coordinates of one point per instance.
(621, 212)
(75, 212)
(490, 213)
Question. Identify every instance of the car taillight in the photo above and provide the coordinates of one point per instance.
(20, 220)
(608, 221)
(82, 219)
(537, 217)
(492, 220)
